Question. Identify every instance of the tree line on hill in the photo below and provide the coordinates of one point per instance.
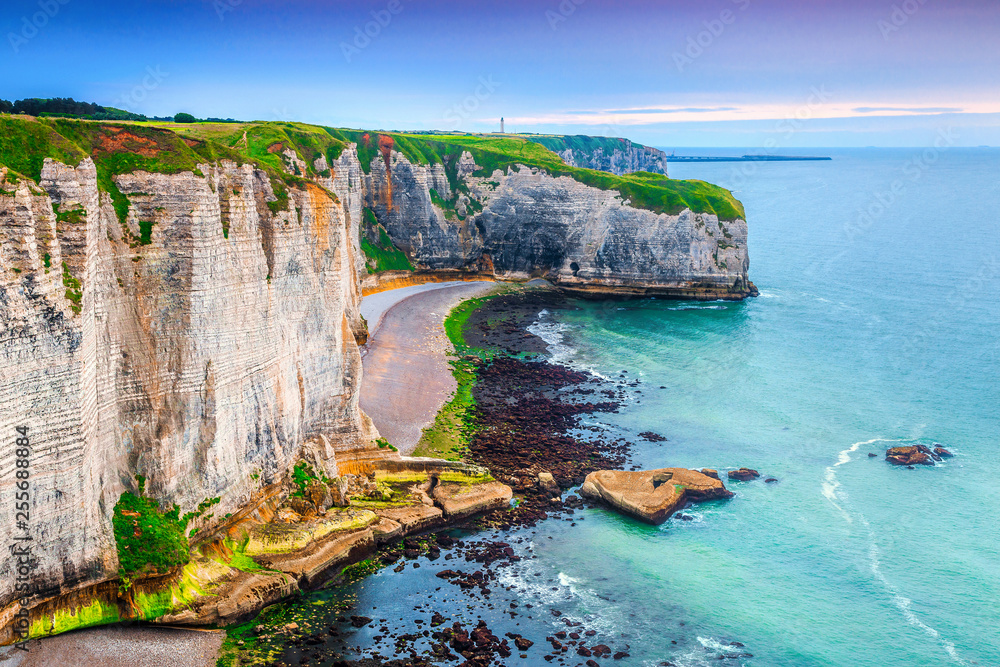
(67, 107)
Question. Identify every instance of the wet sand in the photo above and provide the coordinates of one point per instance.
(406, 373)
(116, 646)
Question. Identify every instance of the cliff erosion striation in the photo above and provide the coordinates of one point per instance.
(179, 311)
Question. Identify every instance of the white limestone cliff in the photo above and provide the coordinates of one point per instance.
(206, 361)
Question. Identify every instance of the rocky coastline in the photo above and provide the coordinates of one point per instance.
(525, 428)
(185, 333)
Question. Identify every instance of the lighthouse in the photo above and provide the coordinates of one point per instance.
(501, 126)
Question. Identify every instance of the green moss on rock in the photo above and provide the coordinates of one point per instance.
(96, 613)
(381, 253)
(149, 540)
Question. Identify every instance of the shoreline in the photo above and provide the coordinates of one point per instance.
(376, 305)
(544, 410)
(407, 376)
(489, 327)
(547, 405)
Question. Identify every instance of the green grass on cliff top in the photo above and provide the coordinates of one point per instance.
(645, 190)
(26, 142)
(579, 142)
(491, 152)
(120, 148)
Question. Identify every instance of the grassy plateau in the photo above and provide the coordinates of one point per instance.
(167, 147)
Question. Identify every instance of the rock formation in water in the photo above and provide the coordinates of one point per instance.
(915, 455)
(652, 495)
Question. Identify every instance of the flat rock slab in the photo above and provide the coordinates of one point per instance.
(652, 495)
(462, 500)
(413, 518)
(278, 538)
(386, 530)
(252, 591)
(327, 556)
(234, 597)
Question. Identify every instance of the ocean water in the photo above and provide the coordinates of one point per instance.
(877, 324)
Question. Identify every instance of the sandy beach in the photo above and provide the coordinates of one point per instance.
(406, 373)
(117, 646)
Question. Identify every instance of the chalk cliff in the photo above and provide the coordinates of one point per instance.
(523, 222)
(206, 360)
(196, 323)
(612, 154)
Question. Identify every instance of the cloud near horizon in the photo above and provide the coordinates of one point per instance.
(812, 108)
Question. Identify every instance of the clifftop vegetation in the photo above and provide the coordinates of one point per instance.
(170, 147)
(116, 148)
(580, 142)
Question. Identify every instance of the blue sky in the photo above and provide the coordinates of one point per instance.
(709, 73)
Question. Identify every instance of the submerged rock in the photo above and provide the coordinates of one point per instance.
(652, 495)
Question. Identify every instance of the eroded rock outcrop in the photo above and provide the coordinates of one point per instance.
(582, 238)
(652, 495)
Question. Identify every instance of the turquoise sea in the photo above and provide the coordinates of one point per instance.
(869, 331)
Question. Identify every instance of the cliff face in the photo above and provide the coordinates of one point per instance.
(611, 154)
(580, 237)
(204, 360)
